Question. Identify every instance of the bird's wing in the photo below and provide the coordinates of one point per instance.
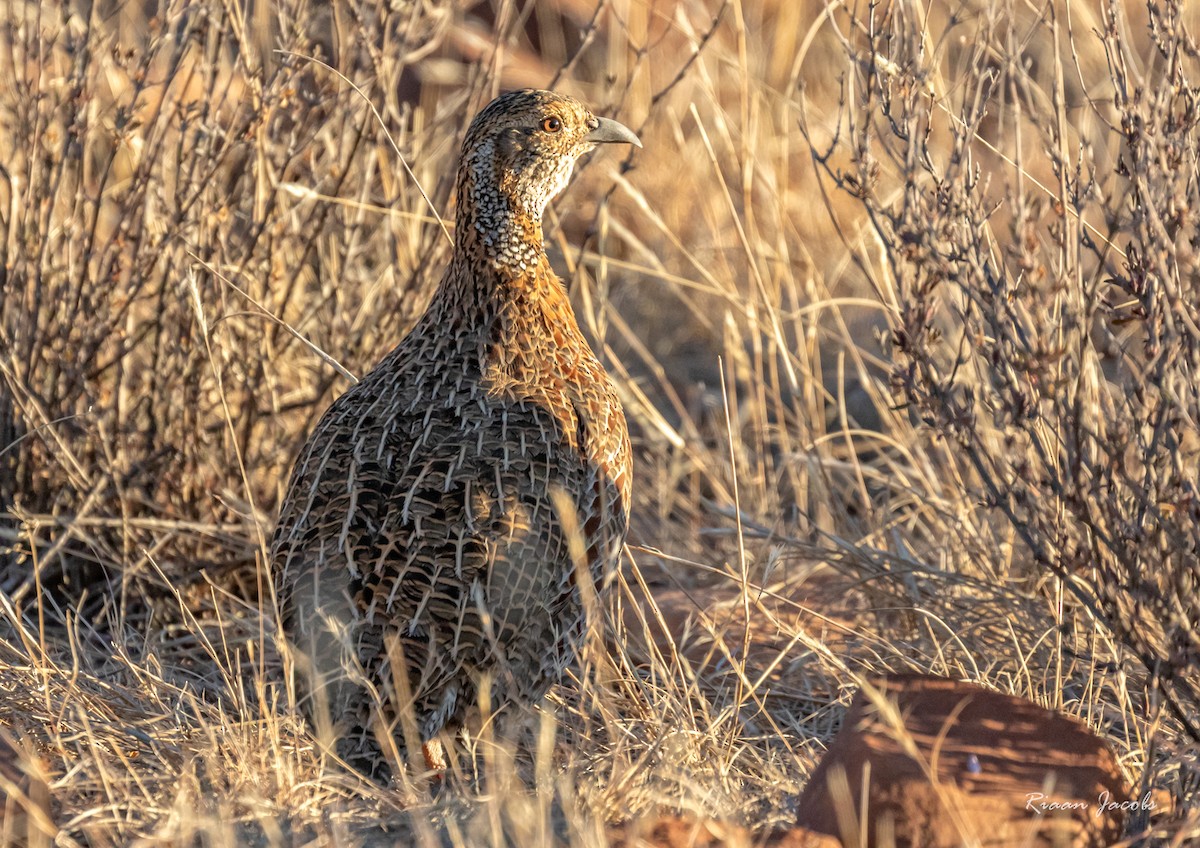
(438, 530)
(471, 541)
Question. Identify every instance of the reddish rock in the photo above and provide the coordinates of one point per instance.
(25, 818)
(948, 764)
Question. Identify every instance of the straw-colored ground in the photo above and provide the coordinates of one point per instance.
(900, 299)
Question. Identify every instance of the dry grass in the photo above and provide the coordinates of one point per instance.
(900, 300)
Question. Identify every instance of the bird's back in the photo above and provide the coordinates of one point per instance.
(432, 510)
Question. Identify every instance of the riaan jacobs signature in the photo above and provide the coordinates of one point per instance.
(1041, 803)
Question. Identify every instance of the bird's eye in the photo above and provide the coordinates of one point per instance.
(551, 124)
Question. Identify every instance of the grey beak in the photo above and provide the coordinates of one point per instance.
(608, 131)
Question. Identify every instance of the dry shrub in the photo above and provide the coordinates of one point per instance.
(165, 249)
(1047, 328)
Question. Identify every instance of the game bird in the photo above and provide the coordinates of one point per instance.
(444, 511)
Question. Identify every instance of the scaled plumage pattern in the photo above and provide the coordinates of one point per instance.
(425, 515)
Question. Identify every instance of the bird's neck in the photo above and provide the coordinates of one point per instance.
(483, 293)
(500, 292)
(499, 223)
(499, 308)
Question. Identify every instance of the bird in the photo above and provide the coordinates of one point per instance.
(438, 520)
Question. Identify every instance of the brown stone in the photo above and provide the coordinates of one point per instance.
(25, 818)
(941, 764)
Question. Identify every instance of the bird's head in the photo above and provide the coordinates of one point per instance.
(519, 153)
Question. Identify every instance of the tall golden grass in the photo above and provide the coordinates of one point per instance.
(886, 295)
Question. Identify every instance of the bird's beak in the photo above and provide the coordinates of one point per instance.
(608, 131)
